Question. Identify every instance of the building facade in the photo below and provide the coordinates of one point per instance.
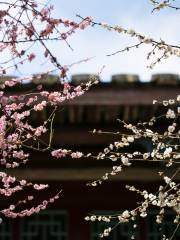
(126, 98)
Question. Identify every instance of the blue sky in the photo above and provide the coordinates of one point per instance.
(99, 42)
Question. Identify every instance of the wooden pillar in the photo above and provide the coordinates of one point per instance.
(16, 228)
(78, 227)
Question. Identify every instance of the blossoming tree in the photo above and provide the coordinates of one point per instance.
(164, 142)
(24, 23)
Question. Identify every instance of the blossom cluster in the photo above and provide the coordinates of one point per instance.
(165, 149)
(160, 50)
(24, 23)
(9, 212)
(158, 5)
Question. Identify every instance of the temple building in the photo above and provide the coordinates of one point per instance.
(125, 97)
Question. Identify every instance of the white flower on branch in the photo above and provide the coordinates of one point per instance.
(178, 98)
(125, 161)
(170, 114)
(167, 152)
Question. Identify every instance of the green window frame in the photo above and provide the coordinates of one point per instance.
(6, 230)
(123, 231)
(155, 231)
(46, 225)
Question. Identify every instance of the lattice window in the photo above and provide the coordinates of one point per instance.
(123, 231)
(46, 225)
(155, 231)
(6, 229)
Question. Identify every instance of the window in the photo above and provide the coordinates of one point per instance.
(46, 225)
(6, 229)
(123, 231)
(155, 231)
(148, 230)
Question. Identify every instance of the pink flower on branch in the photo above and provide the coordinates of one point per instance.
(9, 212)
(17, 134)
(59, 153)
(31, 57)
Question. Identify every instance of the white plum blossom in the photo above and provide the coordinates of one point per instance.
(167, 152)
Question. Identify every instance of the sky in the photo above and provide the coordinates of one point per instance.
(97, 42)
